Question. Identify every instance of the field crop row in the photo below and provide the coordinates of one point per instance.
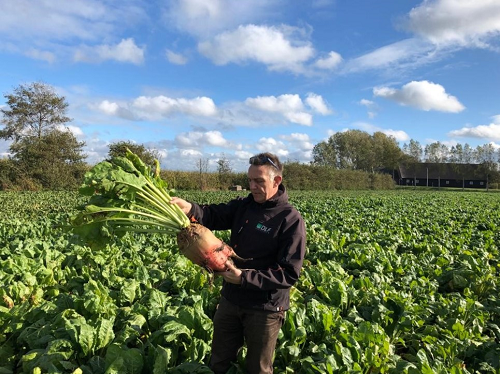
(394, 282)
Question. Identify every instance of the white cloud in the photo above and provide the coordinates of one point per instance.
(258, 111)
(125, 51)
(439, 27)
(288, 105)
(276, 47)
(367, 103)
(189, 139)
(199, 139)
(176, 58)
(274, 146)
(215, 138)
(462, 22)
(165, 106)
(108, 107)
(46, 30)
(333, 60)
(156, 107)
(300, 118)
(318, 104)
(371, 106)
(204, 18)
(491, 132)
(54, 19)
(406, 52)
(38, 54)
(191, 153)
(422, 95)
(115, 109)
(75, 130)
(399, 135)
(283, 103)
(299, 140)
(243, 155)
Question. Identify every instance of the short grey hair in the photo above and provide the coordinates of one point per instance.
(271, 160)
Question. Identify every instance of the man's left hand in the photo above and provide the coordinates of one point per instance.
(232, 274)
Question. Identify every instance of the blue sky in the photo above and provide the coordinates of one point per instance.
(206, 79)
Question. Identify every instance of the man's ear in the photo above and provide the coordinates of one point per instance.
(277, 180)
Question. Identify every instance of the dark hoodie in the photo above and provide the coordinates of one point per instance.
(271, 237)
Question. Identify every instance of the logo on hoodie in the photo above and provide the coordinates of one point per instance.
(262, 228)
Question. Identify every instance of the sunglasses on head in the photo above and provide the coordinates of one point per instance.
(261, 160)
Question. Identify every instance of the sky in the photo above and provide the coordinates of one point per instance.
(226, 79)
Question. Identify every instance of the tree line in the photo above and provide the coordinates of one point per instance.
(358, 150)
(44, 153)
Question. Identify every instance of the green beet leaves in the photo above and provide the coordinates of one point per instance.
(126, 195)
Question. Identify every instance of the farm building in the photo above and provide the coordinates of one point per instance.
(442, 175)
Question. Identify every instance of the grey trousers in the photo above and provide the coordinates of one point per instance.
(235, 326)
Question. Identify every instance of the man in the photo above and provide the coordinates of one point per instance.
(270, 235)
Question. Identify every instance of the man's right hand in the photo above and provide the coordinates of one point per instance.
(183, 204)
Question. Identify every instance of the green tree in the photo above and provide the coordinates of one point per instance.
(324, 153)
(354, 150)
(55, 160)
(42, 150)
(456, 158)
(436, 152)
(486, 156)
(386, 151)
(148, 156)
(32, 110)
(358, 150)
(413, 150)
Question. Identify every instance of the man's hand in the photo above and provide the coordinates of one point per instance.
(232, 274)
(183, 204)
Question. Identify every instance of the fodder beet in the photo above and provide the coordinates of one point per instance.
(202, 247)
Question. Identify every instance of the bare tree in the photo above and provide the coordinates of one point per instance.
(223, 165)
(224, 169)
(202, 167)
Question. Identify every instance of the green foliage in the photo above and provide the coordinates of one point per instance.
(299, 176)
(119, 149)
(43, 155)
(55, 159)
(394, 282)
(358, 150)
(32, 109)
(126, 196)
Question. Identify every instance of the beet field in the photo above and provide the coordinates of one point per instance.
(403, 281)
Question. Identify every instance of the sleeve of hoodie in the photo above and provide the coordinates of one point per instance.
(286, 271)
(215, 216)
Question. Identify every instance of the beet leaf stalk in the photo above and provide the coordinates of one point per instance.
(126, 195)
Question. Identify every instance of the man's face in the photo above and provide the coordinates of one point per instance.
(262, 186)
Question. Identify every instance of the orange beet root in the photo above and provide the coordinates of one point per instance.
(202, 247)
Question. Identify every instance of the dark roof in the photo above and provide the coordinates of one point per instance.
(422, 170)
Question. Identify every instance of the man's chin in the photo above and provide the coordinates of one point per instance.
(258, 198)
